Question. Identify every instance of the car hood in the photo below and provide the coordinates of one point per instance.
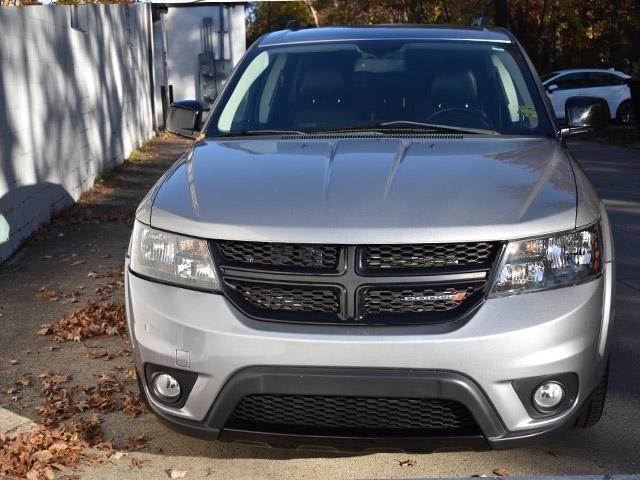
(375, 190)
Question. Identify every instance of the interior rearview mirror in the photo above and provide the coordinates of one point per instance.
(185, 118)
(584, 114)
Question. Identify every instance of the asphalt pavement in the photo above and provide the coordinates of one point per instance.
(65, 256)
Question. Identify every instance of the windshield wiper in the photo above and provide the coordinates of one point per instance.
(439, 128)
(249, 133)
(408, 125)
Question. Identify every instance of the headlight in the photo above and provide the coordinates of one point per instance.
(549, 262)
(172, 258)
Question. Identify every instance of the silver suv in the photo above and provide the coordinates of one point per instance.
(379, 240)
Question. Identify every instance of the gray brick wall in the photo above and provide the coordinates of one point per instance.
(73, 102)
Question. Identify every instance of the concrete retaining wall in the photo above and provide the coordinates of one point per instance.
(75, 100)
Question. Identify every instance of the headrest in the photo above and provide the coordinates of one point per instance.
(322, 81)
(456, 85)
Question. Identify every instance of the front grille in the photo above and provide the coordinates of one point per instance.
(289, 255)
(287, 298)
(315, 413)
(377, 301)
(357, 285)
(427, 256)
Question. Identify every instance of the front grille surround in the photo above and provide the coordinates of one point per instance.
(351, 415)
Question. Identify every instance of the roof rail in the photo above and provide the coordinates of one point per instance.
(481, 22)
(296, 25)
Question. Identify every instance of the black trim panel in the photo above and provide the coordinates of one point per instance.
(355, 381)
(363, 382)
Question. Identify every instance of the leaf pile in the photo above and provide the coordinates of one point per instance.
(97, 319)
(38, 454)
(62, 402)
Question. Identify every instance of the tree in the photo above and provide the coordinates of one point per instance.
(556, 33)
(263, 17)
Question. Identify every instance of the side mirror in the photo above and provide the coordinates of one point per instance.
(584, 114)
(551, 88)
(185, 118)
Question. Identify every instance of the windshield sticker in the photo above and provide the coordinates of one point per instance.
(528, 111)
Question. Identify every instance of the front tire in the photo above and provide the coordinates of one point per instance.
(625, 114)
(594, 406)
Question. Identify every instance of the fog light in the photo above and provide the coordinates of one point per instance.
(548, 396)
(166, 387)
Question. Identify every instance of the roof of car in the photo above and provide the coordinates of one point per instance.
(418, 32)
(580, 70)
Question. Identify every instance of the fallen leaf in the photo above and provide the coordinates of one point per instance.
(41, 456)
(14, 361)
(25, 381)
(173, 473)
(33, 474)
(133, 405)
(409, 462)
(44, 329)
(136, 443)
(553, 454)
(77, 262)
(105, 355)
(501, 472)
(140, 463)
(118, 455)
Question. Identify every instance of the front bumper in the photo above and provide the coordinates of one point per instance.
(531, 335)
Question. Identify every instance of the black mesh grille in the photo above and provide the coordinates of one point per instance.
(378, 301)
(398, 257)
(278, 412)
(290, 255)
(289, 298)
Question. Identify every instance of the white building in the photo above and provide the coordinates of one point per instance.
(196, 47)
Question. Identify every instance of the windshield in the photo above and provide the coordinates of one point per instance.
(329, 86)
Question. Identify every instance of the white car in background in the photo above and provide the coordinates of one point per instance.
(609, 84)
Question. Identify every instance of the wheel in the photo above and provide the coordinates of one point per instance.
(625, 115)
(594, 406)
